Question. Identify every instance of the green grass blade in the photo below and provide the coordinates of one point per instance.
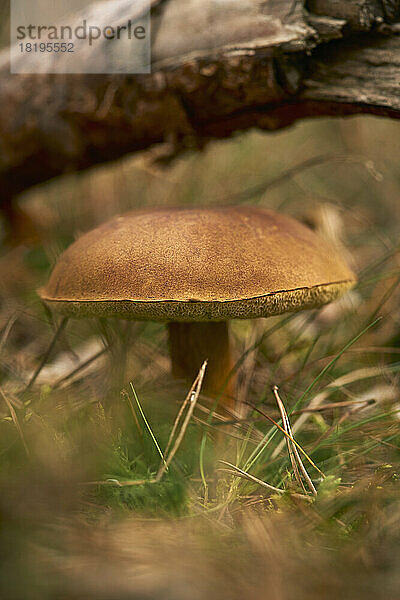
(153, 437)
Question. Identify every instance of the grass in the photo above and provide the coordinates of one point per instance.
(110, 485)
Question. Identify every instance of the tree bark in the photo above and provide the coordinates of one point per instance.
(218, 67)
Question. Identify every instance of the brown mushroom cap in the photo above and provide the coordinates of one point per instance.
(197, 264)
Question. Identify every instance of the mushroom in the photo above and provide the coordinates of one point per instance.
(195, 269)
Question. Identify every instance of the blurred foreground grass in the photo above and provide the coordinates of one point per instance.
(190, 536)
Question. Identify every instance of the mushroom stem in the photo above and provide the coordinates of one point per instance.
(191, 344)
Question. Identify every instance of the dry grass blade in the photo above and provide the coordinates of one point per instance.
(314, 161)
(48, 352)
(191, 398)
(351, 411)
(7, 330)
(118, 483)
(287, 435)
(233, 469)
(291, 446)
(228, 433)
(15, 420)
(65, 378)
(333, 405)
(179, 415)
(354, 376)
(133, 412)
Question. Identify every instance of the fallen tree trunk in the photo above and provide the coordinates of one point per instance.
(218, 67)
